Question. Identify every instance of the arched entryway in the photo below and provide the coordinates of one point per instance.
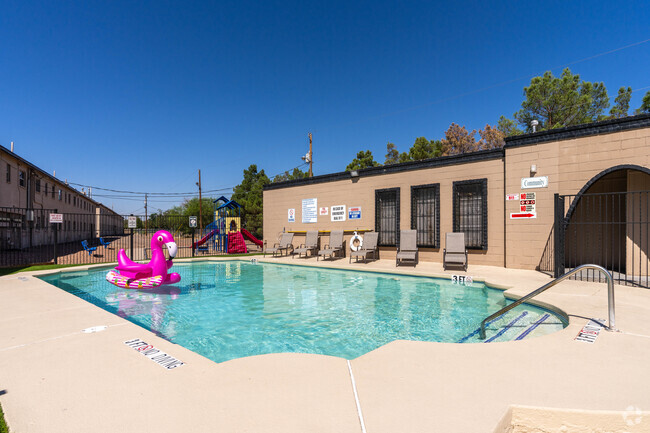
(607, 223)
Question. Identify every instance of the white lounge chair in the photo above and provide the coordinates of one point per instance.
(407, 250)
(286, 243)
(311, 244)
(369, 248)
(455, 252)
(335, 246)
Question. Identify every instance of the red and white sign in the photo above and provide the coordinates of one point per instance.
(512, 196)
(324, 211)
(56, 218)
(523, 215)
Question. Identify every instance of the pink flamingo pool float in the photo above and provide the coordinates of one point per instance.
(134, 275)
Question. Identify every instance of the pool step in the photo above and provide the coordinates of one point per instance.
(532, 327)
(507, 327)
(517, 328)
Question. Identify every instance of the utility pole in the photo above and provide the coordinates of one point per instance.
(308, 158)
(200, 206)
(311, 173)
(146, 218)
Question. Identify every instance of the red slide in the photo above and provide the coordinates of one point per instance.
(205, 238)
(251, 238)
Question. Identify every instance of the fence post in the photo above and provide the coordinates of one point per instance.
(132, 252)
(56, 240)
(559, 236)
(193, 230)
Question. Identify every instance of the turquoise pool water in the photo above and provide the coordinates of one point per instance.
(232, 309)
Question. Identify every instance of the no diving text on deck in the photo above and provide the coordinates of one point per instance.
(156, 355)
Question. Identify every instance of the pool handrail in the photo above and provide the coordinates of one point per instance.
(610, 297)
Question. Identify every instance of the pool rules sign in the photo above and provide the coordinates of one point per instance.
(527, 210)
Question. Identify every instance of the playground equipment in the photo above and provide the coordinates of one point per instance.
(133, 275)
(225, 234)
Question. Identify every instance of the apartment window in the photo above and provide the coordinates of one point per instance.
(46, 189)
(52, 191)
(470, 212)
(8, 173)
(74, 201)
(425, 214)
(21, 178)
(387, 216)
(60, 195)
(38, 185)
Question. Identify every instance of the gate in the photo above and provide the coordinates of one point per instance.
(608, 229)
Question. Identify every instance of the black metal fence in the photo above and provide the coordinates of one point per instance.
(27, 237)
(608, 229)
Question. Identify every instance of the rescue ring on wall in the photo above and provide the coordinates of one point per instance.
(356, 242)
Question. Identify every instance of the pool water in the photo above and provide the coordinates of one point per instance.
(232, 309)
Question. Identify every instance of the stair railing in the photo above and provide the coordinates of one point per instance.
(610, 296)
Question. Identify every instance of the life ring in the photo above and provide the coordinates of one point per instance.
(356, 242)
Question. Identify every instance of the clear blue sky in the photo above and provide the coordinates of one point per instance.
(139, 95)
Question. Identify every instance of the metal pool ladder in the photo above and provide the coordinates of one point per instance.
(610, 297)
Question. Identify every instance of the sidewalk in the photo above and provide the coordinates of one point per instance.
(56, 378)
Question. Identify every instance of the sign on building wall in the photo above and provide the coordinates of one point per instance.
(292, 215)
(527, 202)
(324, 211)
(354, 213)
(512, 196)
(338, 213)
(534, 182)
(309, 210)
(56, 218)
(523, 215)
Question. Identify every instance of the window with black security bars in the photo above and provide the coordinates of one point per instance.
(470, 212)
(387, 216)
(425, 214)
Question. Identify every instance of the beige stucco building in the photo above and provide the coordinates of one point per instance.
(28, 194)
(482, 194)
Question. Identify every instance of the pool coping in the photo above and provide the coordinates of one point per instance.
(398, 384)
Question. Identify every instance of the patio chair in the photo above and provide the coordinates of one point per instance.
(90, 250)
(104, 243)
(335, 246)
(407, 250)
(311, 244)
(369, 247)
(455, 252)
(286, 242)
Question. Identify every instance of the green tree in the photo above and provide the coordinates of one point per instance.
(404, 157)
(364, 159)
(561, 101)
(295, 174)
(425, 149)
(622, 103)
(249, 195)
(645, 104)
(508, 127)
(392, 155)
(191, 208)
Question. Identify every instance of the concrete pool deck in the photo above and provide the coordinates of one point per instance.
(55, 378)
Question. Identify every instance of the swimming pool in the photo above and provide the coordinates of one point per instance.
(231, 309)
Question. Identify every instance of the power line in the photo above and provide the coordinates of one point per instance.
(490, 87)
